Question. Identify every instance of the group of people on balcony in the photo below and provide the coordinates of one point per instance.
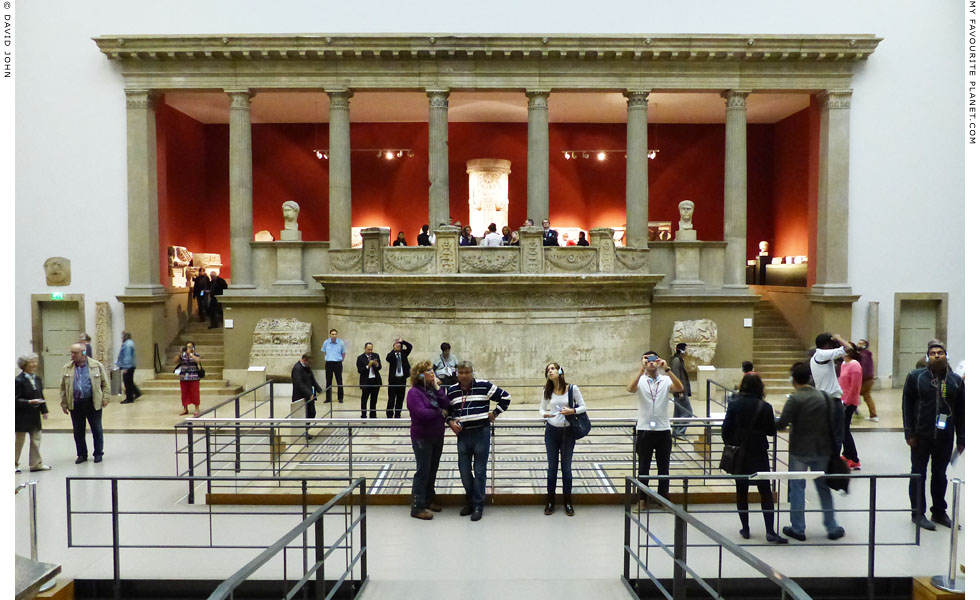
(492, 238)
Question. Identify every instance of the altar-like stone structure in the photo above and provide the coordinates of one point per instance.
(278, 343)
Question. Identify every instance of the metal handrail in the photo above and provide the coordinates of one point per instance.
(683, 519)
(227, 588)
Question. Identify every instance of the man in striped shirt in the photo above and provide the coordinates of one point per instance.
(469, 418)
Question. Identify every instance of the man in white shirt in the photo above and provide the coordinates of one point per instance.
(492, 238)
(653, 386)
(830, 347)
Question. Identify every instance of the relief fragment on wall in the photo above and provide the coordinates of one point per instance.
(278, 343)
(409, 261)
(345, 261)
(632, 260)
(447, 255)
(490, 260)
(574, 260)
(701, 337)
(103, 333)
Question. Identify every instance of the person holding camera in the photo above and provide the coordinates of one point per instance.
(652, 385)
(369, 369)
(830, 347)
(398, 371)
(556, 402)
(428, 408)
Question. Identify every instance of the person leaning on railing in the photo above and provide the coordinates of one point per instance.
(555, 405)
(748, 422)
(428, 408)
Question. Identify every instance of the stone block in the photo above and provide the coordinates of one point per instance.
(278, 343)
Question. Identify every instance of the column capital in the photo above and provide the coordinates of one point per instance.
(240, 98)
(637, 98)
(148, 99)
(537, 99)
(438, 97)
(835, 99)
(735, 98)
(339, 98)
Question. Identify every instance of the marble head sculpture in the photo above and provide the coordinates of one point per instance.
(290, 213)
(686, 208)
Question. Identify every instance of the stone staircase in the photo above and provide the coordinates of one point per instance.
(775, 348)
(211, 346)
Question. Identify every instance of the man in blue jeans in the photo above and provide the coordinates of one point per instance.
(470, 418)
(816, 424)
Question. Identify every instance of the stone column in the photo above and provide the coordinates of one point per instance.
(537, 155)
(832, 192)
(240, 187)
(447, 249)
(602, 238)
(141, 175)
(735, 187)
(637, 186)
(438, 157)
(532, 249)
(339, 169)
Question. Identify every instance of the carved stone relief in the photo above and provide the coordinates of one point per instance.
(489, 260)
(345, 261)
(278, 343)
(57, 271)
(103, 333)
(701, 337)
(408, 261)
(447, 257)
(632, 260)
(408, 300)
(571, 260)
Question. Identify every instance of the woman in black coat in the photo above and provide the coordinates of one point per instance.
(29, 408)
(748, 422)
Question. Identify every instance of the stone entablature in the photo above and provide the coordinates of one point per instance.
(566, 62)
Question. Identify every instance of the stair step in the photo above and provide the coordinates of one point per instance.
(207, 382)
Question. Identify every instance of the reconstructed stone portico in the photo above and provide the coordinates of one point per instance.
(266, 276)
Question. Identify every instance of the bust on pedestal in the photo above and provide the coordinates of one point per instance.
(685, 228)
(687, 252)
(290, 228)
(289, 257)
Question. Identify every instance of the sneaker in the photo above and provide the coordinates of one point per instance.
(790, 532)
(873, 419)
(835, 534)
(923, 522)
(48, 468)
(939, 519)
(425, 515)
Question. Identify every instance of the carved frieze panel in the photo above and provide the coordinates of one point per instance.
(571, 260)
(701, 337)
(447, 258)
(409, 260)
(465, 302)
(278, 343)
(489, 260)
(345, 261)
(103, 333)
(631, 260)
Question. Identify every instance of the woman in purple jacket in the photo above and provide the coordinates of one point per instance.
(428, 408)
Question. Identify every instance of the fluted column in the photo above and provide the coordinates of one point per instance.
(832, 192)
(340, 212)
(438, 157)
(537, 155)
(240, 186)
(637, 180)
(735, 187)
(141, 177)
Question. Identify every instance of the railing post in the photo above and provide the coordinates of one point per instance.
(306, 566)
(364, 569)
(116, 585)
(321, 588)
(207, 455)
(272, 400)
(949, 582)
(350, 452)
(626, 528)
(238, 435)
(872, 524)
(190, 464)
(680, 557)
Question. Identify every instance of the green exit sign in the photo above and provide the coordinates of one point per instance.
(57, 296)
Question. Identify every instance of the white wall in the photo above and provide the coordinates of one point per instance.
(906, 139)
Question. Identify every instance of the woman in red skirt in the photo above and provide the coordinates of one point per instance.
(188, 365)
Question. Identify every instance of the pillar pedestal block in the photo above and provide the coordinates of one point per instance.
(375, 239)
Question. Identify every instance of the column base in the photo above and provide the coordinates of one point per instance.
(736, 288)
(241, 286)
(688, 285)
(831, 289)
(289, 285)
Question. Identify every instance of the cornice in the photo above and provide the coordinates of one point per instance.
(711, 48)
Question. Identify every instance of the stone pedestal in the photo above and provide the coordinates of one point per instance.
(289, 266)
(602, 240)
(374, 240)
(447, 249)
(686, 235)
(687, 267)
(532, 249)
(291, 235)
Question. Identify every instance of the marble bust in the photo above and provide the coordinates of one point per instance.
(686, 208)
(763, 248)
(57, 271)
(290, 213)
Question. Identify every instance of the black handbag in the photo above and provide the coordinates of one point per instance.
(732, 457)
(835, 464)
(579, 424)
(200, 372)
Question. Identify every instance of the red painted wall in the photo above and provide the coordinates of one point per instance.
(791, 185)
(584, 193)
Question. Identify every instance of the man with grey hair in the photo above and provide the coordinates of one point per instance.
(84, 392)
(29, 409)
(470, 418)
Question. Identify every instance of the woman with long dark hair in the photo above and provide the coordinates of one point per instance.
(188, 368)
(558, 441)
(748, 422)
(428, 407)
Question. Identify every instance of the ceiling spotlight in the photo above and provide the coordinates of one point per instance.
(652, 154)
(568, 155)
(389, 155)
(585, 155)
(410, 154)
(380, 153)
(601, 156)
(400, 153)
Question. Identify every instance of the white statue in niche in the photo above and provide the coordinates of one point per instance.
(763, 248)
(290, 213)
(488, 201)
(686, 208)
